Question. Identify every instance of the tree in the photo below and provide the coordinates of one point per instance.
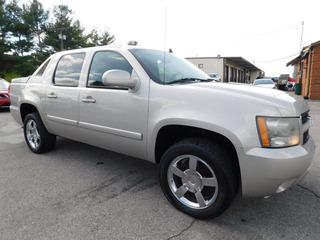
(16, 29)
(64, 33)
(133, 43)
(94, 38)
(4, 46)
(99, 39)
(27, 29)
(14, 40)
(77, 37)
(106, 38)
(36, 18)
(2, 19)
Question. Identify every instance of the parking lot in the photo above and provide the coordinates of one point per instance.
(82, 192)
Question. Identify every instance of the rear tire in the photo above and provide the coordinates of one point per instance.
(38, 139)
(198, 178)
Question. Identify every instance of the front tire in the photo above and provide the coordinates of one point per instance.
(38, 139)
(198, 178)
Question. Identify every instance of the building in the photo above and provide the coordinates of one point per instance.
(307, 70)
(230, 69)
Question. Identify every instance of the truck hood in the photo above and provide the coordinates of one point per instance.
(288, 104)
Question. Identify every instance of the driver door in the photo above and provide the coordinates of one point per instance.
(113, 118)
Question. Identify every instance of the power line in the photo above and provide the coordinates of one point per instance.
(261, 35)
(279, 59)
(268, 33)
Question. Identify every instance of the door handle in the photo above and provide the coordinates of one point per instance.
(52, 95)
(88, 99)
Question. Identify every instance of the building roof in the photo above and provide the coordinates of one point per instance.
(314, 44)
(293, 61)
(236, 60)
(243, 63)
(304, 52)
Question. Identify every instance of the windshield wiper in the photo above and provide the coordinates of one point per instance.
(188, 80)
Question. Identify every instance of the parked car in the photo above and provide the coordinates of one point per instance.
(265, 83)
(215, 77)
(4, 94)
(208, 138)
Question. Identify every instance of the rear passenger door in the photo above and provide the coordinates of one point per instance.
(112, 117)
(62, 96)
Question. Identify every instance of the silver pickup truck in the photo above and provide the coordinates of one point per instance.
(210, 139)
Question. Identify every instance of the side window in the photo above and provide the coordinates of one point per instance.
(104, 61)
(42, 69)
(68, 70)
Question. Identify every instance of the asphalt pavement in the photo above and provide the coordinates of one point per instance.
(79, 191)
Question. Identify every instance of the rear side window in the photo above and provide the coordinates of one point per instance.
(43, 68)
(68, 70)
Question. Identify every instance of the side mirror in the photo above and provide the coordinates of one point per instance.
(118, 78)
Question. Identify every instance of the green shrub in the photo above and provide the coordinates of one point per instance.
(11, 75)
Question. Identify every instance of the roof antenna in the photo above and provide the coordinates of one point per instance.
(165, 45)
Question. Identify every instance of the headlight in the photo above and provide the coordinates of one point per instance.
(278, 132)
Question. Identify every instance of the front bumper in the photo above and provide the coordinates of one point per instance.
(4, 102)
(266, 171)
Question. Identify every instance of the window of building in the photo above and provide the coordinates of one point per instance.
(226, 73)
(233, 77)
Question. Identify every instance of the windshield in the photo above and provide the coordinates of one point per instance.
(212, 75)
(166, 68)
(4, 85)
(263, 81)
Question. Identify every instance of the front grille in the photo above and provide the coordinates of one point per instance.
(304, 117)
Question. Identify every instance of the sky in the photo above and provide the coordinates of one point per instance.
(266, 33)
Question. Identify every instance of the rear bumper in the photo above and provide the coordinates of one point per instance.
(15, 113)
(268, 171)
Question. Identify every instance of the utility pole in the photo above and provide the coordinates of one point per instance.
(301, 36)
(61, 37)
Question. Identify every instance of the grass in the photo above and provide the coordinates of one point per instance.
(11, 75)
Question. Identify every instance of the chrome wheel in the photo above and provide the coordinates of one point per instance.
(198, 177)
(38, 139)
(32, 134)
(192, 181)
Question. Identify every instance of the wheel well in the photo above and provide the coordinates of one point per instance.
(172, 134)
(25, 109)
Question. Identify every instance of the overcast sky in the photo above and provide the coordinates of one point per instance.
(262, 32)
